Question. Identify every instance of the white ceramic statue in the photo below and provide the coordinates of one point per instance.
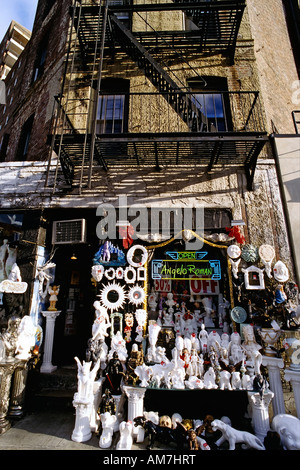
(207, 304)
(235, 350)
(251, 348)
(224, 383)
(107, 423)
(126, 439)
(236, 381)
(153, 331)
(234, 436)
(26, 338)
(118, 345)
(144, 373)
(86, 378)
(203, 337)
(11, 260)
(210, 379)
(288, 428)
(3, 255)
(101, 322)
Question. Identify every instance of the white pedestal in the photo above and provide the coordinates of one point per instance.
(293, 376)
(135, 397)
(47, 366)
(274, 364)
(97, 390)
(82, 430)
(260, 413)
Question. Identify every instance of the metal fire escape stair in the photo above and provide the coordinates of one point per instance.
(176, 97)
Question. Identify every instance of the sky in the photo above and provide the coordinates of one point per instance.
(22, 11)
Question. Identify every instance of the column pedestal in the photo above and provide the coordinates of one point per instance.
(82, 430)
(260, 413)
(97, 390)
(18, 391)
(293, 376)
(135, 397)
(274, 365)
(47, 366)
(7, 369)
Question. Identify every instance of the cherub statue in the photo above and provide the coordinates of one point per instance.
(53, 292)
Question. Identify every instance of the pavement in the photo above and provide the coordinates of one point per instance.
(49, 430)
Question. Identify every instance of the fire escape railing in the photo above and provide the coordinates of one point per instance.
(172, 125)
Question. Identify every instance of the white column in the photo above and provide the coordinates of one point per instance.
(274, 364)
(293, 376)
(47, 366)
(97, 391)
(82, 431)
(260, 413)
(135, 397)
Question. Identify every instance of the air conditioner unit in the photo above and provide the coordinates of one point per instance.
(69, 231)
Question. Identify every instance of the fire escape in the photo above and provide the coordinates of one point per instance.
(171, 125)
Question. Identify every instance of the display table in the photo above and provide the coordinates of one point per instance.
(196, 404)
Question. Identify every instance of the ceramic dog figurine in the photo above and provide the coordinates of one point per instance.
(234, 436)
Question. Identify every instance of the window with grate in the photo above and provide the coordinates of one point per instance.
(210, 94)
(112, 112)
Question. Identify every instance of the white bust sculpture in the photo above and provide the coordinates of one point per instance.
(288, 428)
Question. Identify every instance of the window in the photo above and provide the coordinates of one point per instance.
(211, 96)
(25, 139)
(112, 112)
(39, 65)
(48, 6)
(4, 146)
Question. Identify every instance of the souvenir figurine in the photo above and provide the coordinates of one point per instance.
(10, 337)
(101, 322)
(86, 378)
(3, 255)
(267, 254)
(108, 403)
(114, 373)
(53, 291)
(281, 273)
(203, 337)
(118, 346)
(236, 382)
(153, 331)
(224, 383)
(126, 440)
(107, 425)
(234, 436)
(144, 373)
(235, 350)
(280, 295)
(26, 338)
(288, 428)
(210, 379)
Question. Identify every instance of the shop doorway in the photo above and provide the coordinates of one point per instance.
(75, 300)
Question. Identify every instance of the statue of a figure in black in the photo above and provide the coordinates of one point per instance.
(114, 373)
(107, 403)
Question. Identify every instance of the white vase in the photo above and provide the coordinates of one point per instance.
(269, 337)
